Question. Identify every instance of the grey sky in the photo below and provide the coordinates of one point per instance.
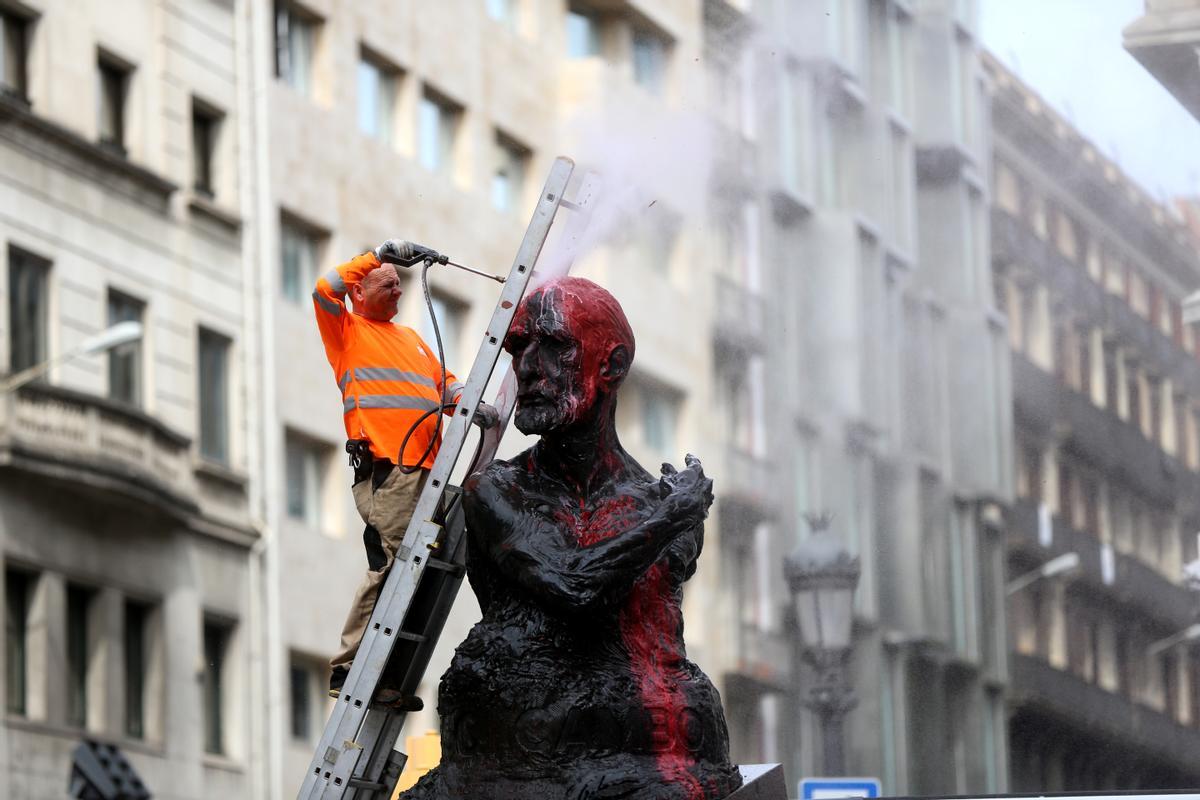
(1070, 52)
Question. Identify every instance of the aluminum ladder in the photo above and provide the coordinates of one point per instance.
(356, 757)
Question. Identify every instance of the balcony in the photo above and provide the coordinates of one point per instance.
(743, 489)
(1101, 437)
(1013, 242)
(739, 320)
(763, 665)
(1093, 712)
(92, 442)
(1134, 584)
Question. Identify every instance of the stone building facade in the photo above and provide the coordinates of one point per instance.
(1092, 274)
(798, 232)
(130, 540)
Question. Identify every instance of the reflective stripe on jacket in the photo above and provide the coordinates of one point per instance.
(387, 374)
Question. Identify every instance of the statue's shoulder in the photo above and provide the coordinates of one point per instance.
(499, 474)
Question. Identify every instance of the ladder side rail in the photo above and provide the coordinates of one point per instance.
(338, 743)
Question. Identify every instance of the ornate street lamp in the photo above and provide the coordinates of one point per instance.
(822, 578)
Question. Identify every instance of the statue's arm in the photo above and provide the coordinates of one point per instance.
(532, 550)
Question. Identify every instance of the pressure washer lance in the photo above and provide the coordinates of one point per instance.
(421, 253)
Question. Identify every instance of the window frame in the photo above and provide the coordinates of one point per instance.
(113, 78)
(206, 149)
(295, 25)
(581, 21)
(296, 281)
(510, 155)
(315, 458)
(130, 352)
(388, 77)
(15, 29)
(446, 127)
(215, 644)
(650, 66)
(136, 619)
(22, 583)
(213, 444)
(37, 270)
(77, 632)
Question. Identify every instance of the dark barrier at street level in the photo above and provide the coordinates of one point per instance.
(100, 772)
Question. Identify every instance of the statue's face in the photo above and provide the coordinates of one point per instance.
(554, 390)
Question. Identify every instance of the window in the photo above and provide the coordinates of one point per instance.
(583, 34)
(1133, 393)
(306, 465)
(79, 603)
(650, 51)
(206, 125)
(216, 643)
(504, 11)
(137, 617)
(299, 251)
(295, 40)
(1139, 296)
(437, 130)
(377, 83)
(450, 316)
(113, 85)
(125, 362)
(14, 54)
(660, 417)
(508, 180)
(213, 396)
(900, 61)
(18, 588)
(1112, 385)
(303, 678)
(1154, 409)
(26, 310)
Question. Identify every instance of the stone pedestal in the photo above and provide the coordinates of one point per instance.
(761, 782)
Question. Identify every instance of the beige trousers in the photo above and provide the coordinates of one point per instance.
(388, 510)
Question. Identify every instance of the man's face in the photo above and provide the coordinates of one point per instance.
(378, 295)
(548, 357)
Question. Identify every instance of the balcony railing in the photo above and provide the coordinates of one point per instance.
(1097, 712)
(1107, 441)
(1133, 583)
(92, 441)
(763, 662)
(1014, 242)
(740, 317)
(744, 496)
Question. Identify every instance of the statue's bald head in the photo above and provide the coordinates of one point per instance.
(571, 345)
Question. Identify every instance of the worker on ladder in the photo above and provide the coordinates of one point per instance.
(392, 386)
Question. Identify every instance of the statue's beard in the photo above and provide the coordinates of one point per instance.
(545, 416)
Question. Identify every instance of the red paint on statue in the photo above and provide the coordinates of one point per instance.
(650, 625)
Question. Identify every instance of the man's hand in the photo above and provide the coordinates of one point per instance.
(395, 251)
(486, 417)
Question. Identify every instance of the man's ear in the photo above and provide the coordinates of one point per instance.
(614, 368)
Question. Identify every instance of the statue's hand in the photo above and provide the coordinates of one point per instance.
(686, 494)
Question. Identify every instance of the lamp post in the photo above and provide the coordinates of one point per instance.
(822, 577)
(1059, 565)
(120, 334)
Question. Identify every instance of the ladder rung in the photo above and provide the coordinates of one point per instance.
(410, 636)
(374, 786)
(456, 570)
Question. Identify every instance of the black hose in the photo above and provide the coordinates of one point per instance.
(437, 434)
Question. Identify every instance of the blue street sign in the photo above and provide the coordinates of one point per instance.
(831, 788)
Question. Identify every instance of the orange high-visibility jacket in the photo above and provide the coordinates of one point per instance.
(388, 375)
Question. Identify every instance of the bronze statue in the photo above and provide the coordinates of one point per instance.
(575, 683)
